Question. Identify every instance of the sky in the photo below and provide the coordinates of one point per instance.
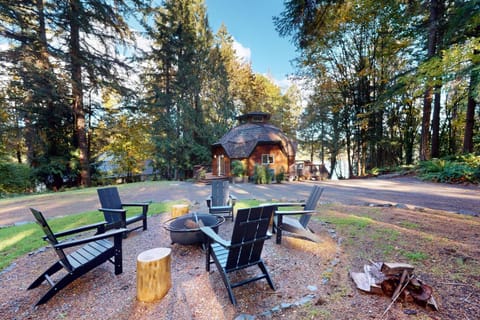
(250, 23)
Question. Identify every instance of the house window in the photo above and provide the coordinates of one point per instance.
(267, 159)
(257, 119)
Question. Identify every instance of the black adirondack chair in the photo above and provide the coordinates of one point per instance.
(284, 220)
(114, 210)
(243, 250)
(221, 202)
(96, 250)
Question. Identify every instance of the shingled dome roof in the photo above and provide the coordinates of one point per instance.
(240, 141)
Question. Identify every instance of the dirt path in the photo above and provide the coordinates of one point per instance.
(398, 190)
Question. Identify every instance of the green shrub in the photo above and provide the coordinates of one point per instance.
(238, 169)
(280, 176)
(262, 175)
(16, 178)
(457, 169)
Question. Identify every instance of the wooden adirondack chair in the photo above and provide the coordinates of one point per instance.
(284, 220)
(221, 202)
(243, 250)
(114, 210)
(96, 250)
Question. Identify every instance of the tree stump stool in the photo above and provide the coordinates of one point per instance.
(179, 210)
(153, 274)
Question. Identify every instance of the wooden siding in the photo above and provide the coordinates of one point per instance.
(279, 158)
(219, 153)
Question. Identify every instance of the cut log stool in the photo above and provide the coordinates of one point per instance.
(179, 210)
(153, 274)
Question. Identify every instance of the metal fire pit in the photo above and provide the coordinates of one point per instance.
(185, 230)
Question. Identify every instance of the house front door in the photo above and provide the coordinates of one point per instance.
(221, 165)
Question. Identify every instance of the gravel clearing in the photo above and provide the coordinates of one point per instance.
(195, 294)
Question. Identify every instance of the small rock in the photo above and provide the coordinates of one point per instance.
(468, 213)
(312, 288)
(276, 309)
(285, 305)
(245, 317)
(305, 300)
(410, 312)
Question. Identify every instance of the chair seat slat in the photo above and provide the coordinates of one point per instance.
(95, 251)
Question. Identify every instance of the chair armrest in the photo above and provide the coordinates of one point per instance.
(215, 237)
(136, 204)
(229, 207)
(293, 212)
(73, 243)
(288, 204)
(112, 210)
(100, 226)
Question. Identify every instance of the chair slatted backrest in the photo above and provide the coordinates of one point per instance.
(220, 193)
(248, 236)
(110, 199)
(311, 204)
(50, 237)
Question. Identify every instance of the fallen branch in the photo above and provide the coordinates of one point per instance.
(396, 293)
(394, 298)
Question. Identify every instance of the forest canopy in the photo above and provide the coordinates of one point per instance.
(86, 82)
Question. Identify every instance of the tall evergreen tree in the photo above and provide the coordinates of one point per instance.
(35, 93)
(176, 78)
(81, 54)
(379, 59)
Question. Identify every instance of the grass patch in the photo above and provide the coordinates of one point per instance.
(72, 192)
(246, 204)
(409, 225)
(386, 235)
(415, 256)
(350, 221)
(368, 237)
(16, 241)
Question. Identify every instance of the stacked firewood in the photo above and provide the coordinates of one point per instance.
(395, 280)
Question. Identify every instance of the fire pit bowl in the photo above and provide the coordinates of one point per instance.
(185, 229)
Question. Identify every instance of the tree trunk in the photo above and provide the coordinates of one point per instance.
(470, 116)
(427, 100)
(410, 134)
(469, 122)
(77, 93)
(436, 124)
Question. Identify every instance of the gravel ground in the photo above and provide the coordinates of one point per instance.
(195, 294)
(299, 268)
